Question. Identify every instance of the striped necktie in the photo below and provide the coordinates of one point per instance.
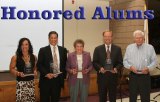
(108, 53)
(55, 60)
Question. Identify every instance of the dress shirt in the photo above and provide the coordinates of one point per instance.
(140, 56)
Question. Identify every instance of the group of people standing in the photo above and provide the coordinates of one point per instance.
(54, 63)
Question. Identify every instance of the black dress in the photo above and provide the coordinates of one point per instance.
(25, 89)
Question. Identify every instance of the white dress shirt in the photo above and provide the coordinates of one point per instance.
(140, 56)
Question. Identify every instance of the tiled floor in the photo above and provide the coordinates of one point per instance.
(152, 96)
(94, 98)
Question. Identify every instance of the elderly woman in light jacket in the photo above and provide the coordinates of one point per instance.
(78, 66)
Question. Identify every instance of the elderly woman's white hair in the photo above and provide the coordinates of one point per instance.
(138, 32)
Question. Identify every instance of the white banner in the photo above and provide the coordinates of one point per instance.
(11, 30)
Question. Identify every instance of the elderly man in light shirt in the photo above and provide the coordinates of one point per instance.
(140, 59)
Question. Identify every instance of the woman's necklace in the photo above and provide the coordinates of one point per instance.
(26, 59)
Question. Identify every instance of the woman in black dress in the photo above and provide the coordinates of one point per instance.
(23, 66)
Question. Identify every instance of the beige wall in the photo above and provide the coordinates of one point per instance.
(89, 30)
(123, 29)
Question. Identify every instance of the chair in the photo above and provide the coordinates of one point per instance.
(158, 80)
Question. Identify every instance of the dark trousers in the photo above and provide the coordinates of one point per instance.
(50, 90)
(139, 84)
(107, 85)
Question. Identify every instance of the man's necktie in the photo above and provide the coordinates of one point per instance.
(55, 60)
(108, 53)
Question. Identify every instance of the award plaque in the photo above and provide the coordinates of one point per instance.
(79, 70)
(28, 70)
(144, 65)
(108, 65)
(53, 69)
(139, 71)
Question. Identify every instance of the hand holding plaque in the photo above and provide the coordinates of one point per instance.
(142, 69)
(108, 66)
(28, 70)
(54, 69)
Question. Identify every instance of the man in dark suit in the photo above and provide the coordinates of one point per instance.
(107, 59)
(51, 65)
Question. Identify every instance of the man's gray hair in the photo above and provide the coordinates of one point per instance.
(138, 32)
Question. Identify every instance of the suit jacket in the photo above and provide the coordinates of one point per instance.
(44, 60)
(72, 63)
(99, 58)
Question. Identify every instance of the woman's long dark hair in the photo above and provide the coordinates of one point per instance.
(19, 50)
